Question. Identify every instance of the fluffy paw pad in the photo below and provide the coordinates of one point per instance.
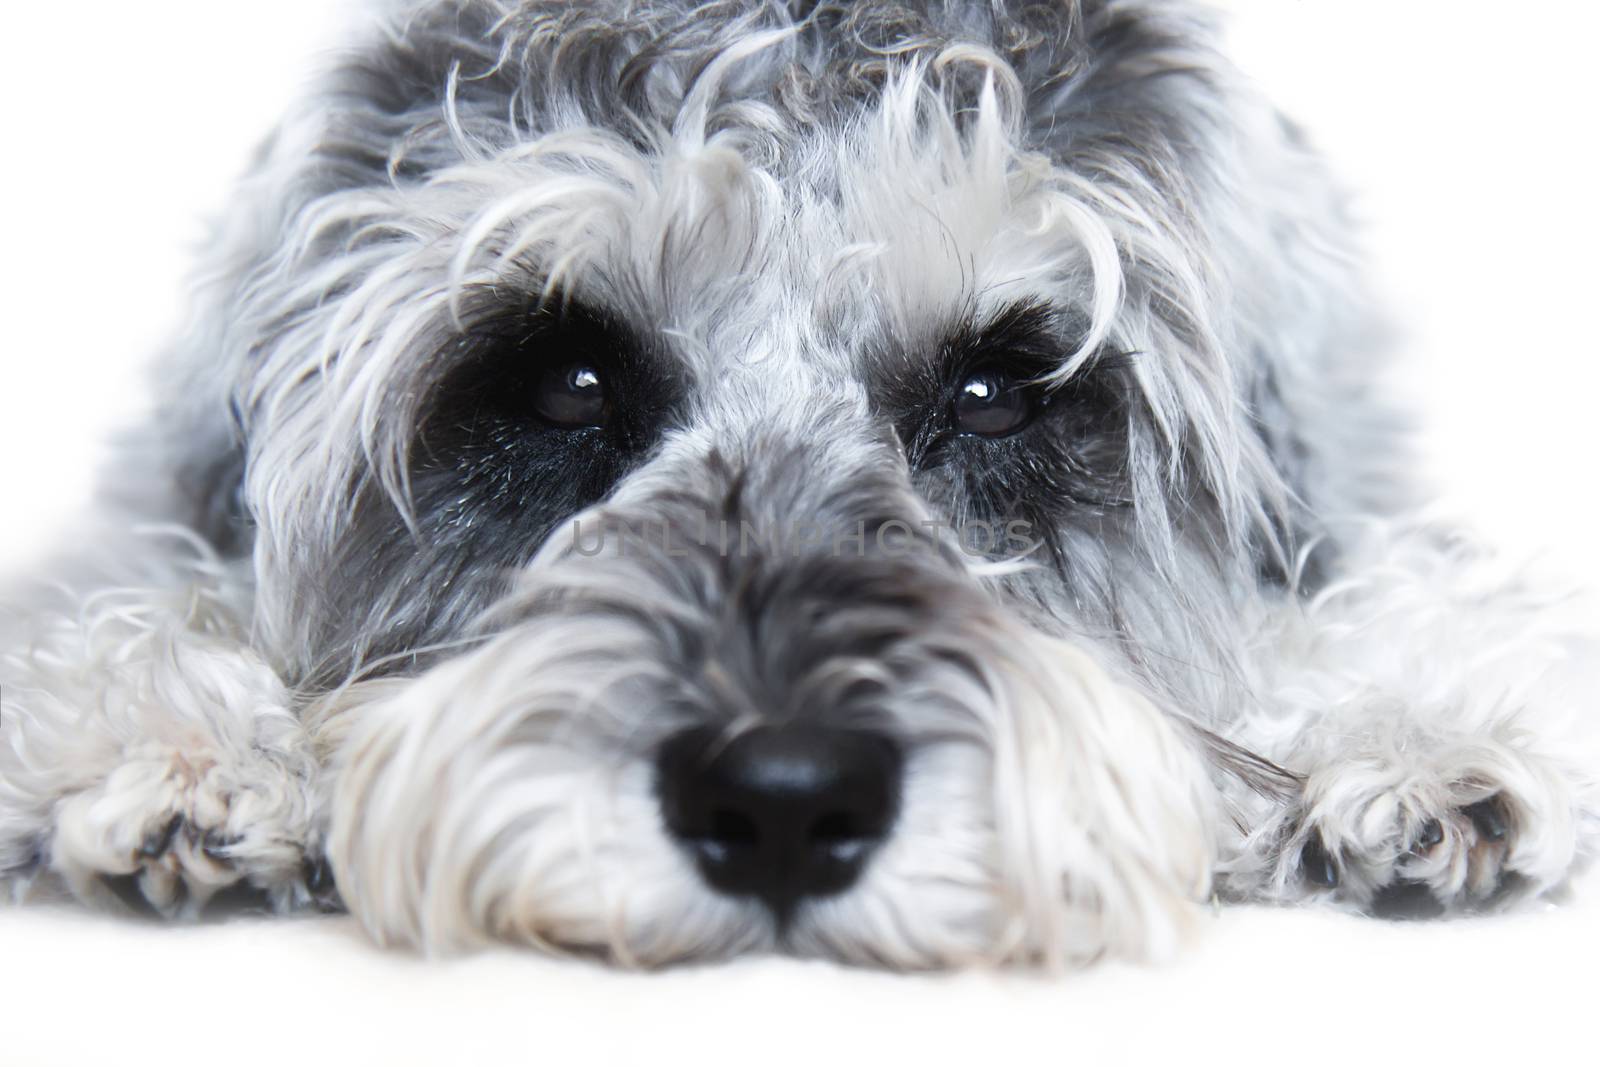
(1396, 860)
(169, 834)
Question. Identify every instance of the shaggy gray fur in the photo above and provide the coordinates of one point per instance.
(335, 607)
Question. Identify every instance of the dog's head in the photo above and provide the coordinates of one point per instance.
(742, 475)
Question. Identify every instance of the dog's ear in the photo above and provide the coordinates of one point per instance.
(439, 80)
(1239, 263)
(386, 110)
(1124, 72)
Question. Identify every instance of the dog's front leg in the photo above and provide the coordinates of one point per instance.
(149, 756)
(1438, 716)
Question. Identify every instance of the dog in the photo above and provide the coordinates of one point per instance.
(908, 482)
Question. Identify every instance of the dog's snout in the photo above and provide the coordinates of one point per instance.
(780, 813)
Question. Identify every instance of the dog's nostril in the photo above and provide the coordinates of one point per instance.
(834, 827)
(779, 814)
(841, 836)
(733, 828)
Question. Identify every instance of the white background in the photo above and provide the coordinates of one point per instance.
(1467, 127)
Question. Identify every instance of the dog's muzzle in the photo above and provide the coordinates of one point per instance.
(781, 814)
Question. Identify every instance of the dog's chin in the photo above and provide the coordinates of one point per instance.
(1047, 814)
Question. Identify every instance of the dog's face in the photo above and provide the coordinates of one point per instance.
(699, 437)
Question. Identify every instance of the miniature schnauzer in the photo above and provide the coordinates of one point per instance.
(902, 481)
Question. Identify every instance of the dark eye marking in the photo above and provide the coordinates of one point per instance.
(550, 378)
(994, 380)
(994, 372)
(533, 414)
(989, 429)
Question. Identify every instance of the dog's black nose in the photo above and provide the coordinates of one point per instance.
(780, 814)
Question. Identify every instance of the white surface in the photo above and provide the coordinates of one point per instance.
(1469, 128)
(1260, 987)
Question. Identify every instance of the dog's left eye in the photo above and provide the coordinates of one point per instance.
(572, 396)
(991, 403)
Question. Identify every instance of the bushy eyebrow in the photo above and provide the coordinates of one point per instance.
(1029, 338)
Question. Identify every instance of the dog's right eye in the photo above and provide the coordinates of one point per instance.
(573, 396)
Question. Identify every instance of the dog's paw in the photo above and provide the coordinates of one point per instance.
(1465, 828)
(172, 830)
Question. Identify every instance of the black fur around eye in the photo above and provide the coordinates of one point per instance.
(989, 434)
(572, 396)
(992, 403)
